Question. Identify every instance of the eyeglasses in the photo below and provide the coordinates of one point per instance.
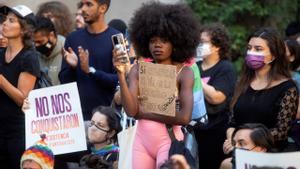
(92, 123)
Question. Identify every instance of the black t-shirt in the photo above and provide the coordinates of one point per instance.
(11, 116)
(274, 107)
(222, 77)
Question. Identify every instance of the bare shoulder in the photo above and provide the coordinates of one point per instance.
(186, 77)
(186, 72)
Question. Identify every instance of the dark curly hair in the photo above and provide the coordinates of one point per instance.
(113, 120)
(173, 22)
(219, 38)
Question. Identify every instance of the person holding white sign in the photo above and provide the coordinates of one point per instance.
(169, 35)
(252, 137)
(18, 73)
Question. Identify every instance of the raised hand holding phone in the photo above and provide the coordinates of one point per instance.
(120, 56)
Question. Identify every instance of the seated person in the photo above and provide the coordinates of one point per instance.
(102, 134)
(252, 137)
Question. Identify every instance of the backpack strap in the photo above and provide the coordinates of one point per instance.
(171, 132)
(179, 71)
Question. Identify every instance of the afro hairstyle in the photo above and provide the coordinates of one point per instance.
(175, 23)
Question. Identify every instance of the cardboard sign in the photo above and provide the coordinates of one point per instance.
(56, 112)
(254, 160)
(157, 88)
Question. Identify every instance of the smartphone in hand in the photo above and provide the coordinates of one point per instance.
(120, 44)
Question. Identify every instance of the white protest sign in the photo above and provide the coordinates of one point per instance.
(157, 88)
(56, 111)
(255, 160)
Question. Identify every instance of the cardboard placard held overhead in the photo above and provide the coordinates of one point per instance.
(157, 88)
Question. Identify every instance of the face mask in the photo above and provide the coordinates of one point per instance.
(255, 60)
(233, 156)
(46, 48)
(203, 50)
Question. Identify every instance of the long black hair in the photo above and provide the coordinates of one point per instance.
(279, 66)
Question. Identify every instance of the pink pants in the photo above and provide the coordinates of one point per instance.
(152, 143)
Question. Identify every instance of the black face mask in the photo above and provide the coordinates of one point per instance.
(46, 48)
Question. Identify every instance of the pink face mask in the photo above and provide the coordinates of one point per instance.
(255, 60)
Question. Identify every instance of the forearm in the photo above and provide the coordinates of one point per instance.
(129, 103)
(110, 80)
(280, 132)
(286, 114)
(67, 73)
(212, 95)
(229, 133)
(14, 93)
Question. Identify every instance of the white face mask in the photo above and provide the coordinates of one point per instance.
(203, 50)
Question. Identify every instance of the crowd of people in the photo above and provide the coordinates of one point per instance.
(256, 110)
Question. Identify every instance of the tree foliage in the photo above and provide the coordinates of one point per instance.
(241, 17)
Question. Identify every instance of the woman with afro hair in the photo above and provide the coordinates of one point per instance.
(168, 34)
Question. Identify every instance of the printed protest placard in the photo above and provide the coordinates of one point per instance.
(157, 88)
(255, 160)
(56, 112)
